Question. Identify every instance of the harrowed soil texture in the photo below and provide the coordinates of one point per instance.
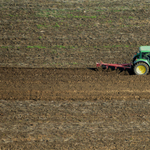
(73, 109)
(51, 94)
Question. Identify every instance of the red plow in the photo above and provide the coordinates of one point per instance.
(124, 66)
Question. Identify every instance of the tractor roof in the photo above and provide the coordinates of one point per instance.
(144, 49)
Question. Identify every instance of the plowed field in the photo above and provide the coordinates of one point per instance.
(73, 108)
(51, 94)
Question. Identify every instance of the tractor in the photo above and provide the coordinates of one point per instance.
(140, 63)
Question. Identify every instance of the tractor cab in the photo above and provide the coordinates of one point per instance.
(143, 55)
(145, 52)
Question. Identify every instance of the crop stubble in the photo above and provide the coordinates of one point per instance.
(75, 34)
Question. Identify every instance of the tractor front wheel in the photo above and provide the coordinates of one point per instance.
(141, 68)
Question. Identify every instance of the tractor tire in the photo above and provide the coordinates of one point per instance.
(141, 68)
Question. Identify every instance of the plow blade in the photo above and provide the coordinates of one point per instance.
(124, 66)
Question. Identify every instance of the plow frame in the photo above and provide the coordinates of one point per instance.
(124, 66)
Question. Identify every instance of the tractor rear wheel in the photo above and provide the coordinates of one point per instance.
(141, 68)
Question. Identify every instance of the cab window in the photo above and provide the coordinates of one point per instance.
(146, 55)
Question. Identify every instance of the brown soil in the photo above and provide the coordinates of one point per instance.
(71, 84)
(73, 108)
(71, 34)
(51, 94)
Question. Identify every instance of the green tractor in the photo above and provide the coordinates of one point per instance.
(141, 61)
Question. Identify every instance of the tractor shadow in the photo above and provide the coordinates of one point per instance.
(112, 70)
